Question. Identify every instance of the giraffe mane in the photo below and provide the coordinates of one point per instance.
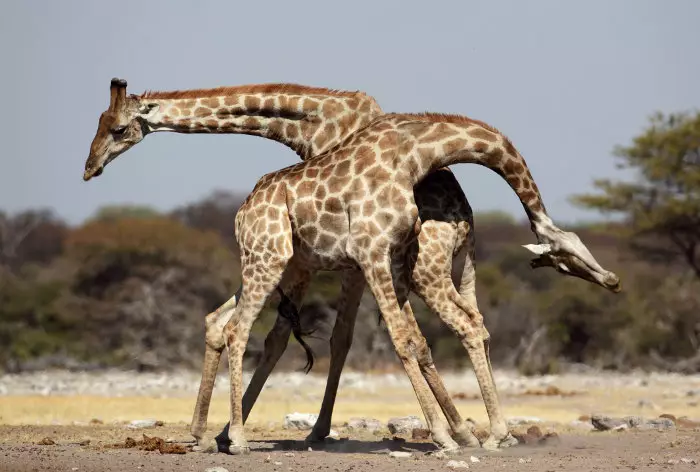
(253, 88)
(449, 118)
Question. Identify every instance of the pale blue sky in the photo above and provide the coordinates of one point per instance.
(566, 81)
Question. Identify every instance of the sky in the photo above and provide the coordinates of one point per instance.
(566, 81)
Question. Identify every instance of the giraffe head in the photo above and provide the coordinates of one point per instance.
(120, 127)
(569, 256)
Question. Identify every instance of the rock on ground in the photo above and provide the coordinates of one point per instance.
(141, 424)
(404, 424)
(300, 421)
(520, 420)
(364, 424)
(457, 465)
(606, 423)
(399, 454)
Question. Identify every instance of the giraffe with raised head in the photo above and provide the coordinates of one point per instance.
(328, 205)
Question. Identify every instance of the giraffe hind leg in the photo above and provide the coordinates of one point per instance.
(353, 285)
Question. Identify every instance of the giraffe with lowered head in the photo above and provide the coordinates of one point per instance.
(309, 120)
(374, 175)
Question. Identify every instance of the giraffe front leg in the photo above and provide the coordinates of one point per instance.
(353, 284)
(462, 432)
(259, 283)
(379, 278)
(294, 284)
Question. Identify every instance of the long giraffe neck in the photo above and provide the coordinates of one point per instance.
(309, 120)
(444, 140)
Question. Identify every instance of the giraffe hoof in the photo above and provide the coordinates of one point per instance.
(238, 450)
(508, 441)
(493, 444)
(466, 439)
(206, 445)
(445, 443)
(314, 438)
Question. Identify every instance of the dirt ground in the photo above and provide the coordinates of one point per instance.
(83, 417)
(281, 450)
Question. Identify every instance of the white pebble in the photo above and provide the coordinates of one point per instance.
(474, 459)
(399, 454)
(457, 465)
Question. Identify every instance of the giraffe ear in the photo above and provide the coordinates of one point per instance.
(538, 249)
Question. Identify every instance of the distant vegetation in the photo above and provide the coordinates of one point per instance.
(130, 286)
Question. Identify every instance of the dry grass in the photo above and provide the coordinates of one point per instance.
(273, 404)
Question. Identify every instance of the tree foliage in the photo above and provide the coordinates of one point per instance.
(661, 206)
(130, 288)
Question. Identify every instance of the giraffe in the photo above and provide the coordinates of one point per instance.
(560, 250)
(309, 120)
(284, 220)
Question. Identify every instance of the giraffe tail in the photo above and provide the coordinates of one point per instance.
(288, 311)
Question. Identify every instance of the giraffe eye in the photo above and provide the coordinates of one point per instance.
(118, 131)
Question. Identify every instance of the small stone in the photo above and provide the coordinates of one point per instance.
(46, 442)
(693, 393)
(277, 463)
(605, 423)
(656, 423)
(404, 425)
(366, 424)
(520, 420)
(673, 461)
(400, 454)
(288, 454)
(309, 449)
(621, 427)
(96, 421)
(457, 464)
(474, 459)
(333, 434)
(74, 468)
(215, 469)
(420, 433)
(535, 431)
(521, 460)
(687, 460)
(268, 459)
(301, 421)
(142, 424)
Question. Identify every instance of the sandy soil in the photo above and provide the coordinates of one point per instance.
(285, 451)
(86, 414)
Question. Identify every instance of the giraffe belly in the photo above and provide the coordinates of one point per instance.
(317, 257)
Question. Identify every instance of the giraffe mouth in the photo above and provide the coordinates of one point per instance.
(90, 173)
(574, 268)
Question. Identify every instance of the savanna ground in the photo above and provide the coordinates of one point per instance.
(86, 417)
